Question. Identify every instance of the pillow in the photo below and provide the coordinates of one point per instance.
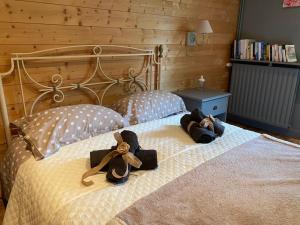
(150, 105)
(47, 131)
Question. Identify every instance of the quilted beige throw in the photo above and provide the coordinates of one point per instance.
(257, 183)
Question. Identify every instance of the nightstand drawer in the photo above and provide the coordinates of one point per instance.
(215, 107)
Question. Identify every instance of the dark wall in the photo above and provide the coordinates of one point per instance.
(268, 20)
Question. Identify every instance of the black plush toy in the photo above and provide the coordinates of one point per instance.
(201, 128)
(198, 117)
(121, 159)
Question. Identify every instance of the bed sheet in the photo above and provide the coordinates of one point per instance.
(50, 192)
(14, 157)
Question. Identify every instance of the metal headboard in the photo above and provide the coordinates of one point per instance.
(56, 89)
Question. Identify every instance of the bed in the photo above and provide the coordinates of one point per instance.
(49, 191)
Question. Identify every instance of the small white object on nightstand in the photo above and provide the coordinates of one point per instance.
(201, 81)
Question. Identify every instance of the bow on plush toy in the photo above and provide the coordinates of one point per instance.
(208, 123)
(123, 150)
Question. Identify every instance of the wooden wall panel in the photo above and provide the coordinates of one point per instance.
(28, 25)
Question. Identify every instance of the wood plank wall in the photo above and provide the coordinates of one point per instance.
(28, 25)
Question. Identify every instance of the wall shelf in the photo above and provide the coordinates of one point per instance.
(266, 63)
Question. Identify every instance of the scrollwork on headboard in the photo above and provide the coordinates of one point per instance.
(56, 89)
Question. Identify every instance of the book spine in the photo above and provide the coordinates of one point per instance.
(284, 55)
(234, 49)
(251, 51)
(263, 51)
(259, 51)
(276, 57)
(256, 51)
(241, 49)
(248, 48)
(277, 49)
(280, 53)
(267, 52)
(273, 53)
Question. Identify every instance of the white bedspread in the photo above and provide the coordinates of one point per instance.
(50, 191)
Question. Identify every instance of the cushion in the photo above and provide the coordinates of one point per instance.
(47, 131)
(150, 105)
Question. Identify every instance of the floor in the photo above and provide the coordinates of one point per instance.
(290, 139)
(294, 140)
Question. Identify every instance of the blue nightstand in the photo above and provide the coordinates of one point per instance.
(209, 101)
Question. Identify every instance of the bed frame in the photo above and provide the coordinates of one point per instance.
(56, 90)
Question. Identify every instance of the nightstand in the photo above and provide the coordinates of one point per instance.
(207, 100)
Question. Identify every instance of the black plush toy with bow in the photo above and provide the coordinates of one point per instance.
(201, 128)
(121, 159)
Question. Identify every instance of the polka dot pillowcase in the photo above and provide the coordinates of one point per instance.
(150, 105)
(47, 131)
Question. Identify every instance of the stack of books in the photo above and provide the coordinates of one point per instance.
(248, 49)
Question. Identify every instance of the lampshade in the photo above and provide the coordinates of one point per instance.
(205, 27)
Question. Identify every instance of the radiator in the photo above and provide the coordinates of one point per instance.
(263, 93)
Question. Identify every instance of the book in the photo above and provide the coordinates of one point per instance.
(291, 53)
(245, 49)
(259, 51)
(284, 55)
(248, 51)
(280, 57)
(262, 51)
(268, 52)
(251, 56)
(256, 51)
(239, 49)
(273, 53)
(235, 49)
(276, 53)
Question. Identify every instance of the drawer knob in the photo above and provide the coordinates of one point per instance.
(215, 107)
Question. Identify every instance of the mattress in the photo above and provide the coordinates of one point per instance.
(50, 192)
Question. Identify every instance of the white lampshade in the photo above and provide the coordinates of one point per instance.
(205, 27)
